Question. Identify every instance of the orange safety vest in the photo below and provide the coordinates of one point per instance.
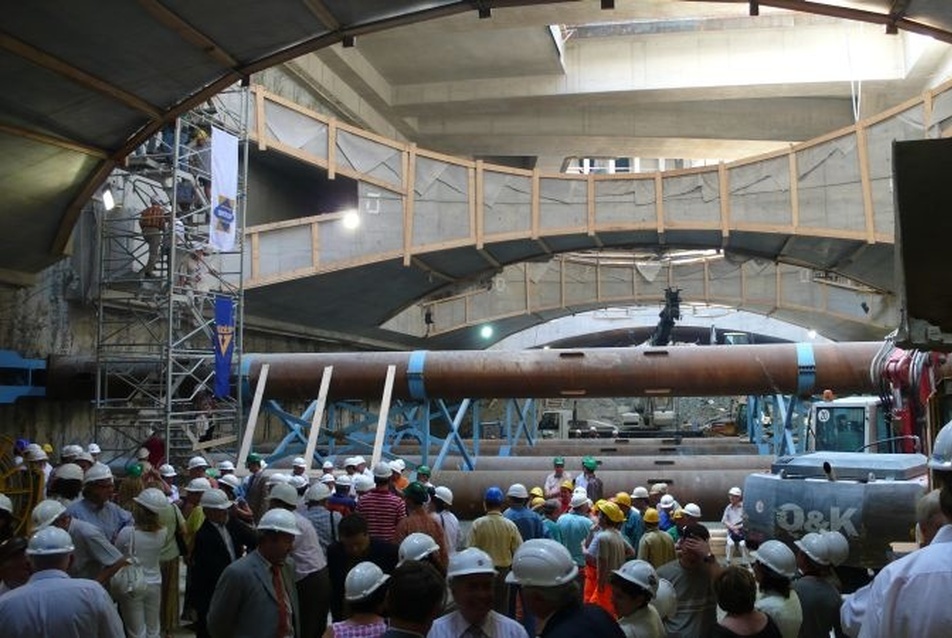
(152, 217)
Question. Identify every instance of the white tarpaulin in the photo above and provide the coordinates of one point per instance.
(224, 200)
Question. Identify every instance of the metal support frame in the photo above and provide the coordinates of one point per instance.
(784, 436)
(19, 378)
(165, 322)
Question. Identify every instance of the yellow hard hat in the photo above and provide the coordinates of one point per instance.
(538, 501)
(622, 498)
(567, 485)
(537, 491)
(611, 511)
(651, 515)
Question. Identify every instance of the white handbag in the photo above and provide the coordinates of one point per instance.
(130, 580)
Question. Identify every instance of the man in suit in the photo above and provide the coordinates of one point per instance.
(218, 543)
(255, 596)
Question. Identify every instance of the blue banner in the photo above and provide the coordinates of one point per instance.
(224, 343)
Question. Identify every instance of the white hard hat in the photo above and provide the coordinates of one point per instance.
(93, 448)
(397, 465)
(152, 499)
(382, 470)
(71, 451)
(542, 562)
(285, 493)
(362, 580)
(941, 458)
(777, 557)
(578, 499)
(317, 492)
(837, 546)
(640, 573)
(34, 452)
(6, 504)
(298, 462)
(327, 466)
(350, 461)
(815, 548)
(363, 483)
(85, 456)
(328, 478)
(279, 520)
(666, 502)
(639, 492)
(215, 499)
(470, 561)
(48, 541)
(693, 510)
(198, 485)
(196, 462)
(735, 491)
(360, 460)
(45, 514)
(665, 601)
(517, 490)
(444, 493)
(297, 481)
(231, 481)
(68, 472)
(343, 481)
(167, 471)
(143, 453)
(226, 466)
(98, 472)
(278, 478)
(417, 546)
(659, 488)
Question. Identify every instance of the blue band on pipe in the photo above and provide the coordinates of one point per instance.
(415, 383)
(243, 379)
(806, 369)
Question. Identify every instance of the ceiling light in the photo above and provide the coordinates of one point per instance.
(107, 200)
(486, 332)
(811, 333)
(351, 220)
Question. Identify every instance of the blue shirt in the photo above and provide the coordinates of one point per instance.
(634, 527)
(109, 518)
(575, 529)
(528, 522)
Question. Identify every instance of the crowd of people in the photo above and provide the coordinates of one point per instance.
(362, 551)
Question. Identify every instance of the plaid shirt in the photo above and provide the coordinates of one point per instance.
(320, 517)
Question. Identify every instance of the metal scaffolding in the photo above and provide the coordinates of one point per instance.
(160, 280)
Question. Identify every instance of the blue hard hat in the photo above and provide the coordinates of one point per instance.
(494, 495)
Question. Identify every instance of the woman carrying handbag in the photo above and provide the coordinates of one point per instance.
(139, 603)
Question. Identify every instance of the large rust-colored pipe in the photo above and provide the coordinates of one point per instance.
(603, 372)
(707, 488)
(542, 466)
(727, 446)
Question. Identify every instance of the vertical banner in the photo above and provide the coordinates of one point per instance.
(224, 343)
(224, 194)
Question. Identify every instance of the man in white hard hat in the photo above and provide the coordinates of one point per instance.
(415, 598)
(355, 545)
(733, 520)
(168, 475)
(255, 595)
(218, 543)
(94, 451)
(634, 585)
(382, 508)
(96, 506)
(362, 467)
(94, 557)
(298, 466)
(442, 501)
(52, 603)
(66, 483)
(574, 527)
(547, 574)
(197, 465)
(311, 577)
(398, 482)
(328, 467)
(323, 520)
(470, 575)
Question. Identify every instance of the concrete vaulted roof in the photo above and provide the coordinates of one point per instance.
(85, 83)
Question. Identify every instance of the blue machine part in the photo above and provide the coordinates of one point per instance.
(20, 377)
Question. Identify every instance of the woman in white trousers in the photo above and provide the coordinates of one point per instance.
(141, 610)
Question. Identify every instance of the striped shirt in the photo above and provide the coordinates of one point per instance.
(383, 511)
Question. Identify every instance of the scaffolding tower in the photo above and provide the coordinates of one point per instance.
(162, 273)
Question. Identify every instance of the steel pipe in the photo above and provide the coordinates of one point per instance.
(707, 488)
(603, 372)
(599, 451)
(543, 465)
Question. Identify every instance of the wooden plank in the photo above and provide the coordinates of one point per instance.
(332, 150)
(49, 140)
(318, 417)
(471, 204)
(590, 204)
(315, 245)
(255, 255)
(535, 204)
(480, 205)
(409, 208)
(723, 181)
(294, 106)
(384, 414)
(866, 182)
(249, 434)
(216, 442)
(659, 205)
(447, 159)
(794, 190)
(260, 126)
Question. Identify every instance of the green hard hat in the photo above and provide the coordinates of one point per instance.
(134, 470)
(253, 458)
(559, 460)
(423, 469)
(589, 463)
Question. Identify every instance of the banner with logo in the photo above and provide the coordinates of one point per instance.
(224, 343)
(224, 193)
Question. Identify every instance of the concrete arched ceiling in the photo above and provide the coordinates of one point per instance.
(84, 85)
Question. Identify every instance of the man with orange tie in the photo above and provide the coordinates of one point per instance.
(255, 596)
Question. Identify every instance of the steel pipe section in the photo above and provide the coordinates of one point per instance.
(486, 448)
(603, 372)
(543, 465)
(707, 488)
